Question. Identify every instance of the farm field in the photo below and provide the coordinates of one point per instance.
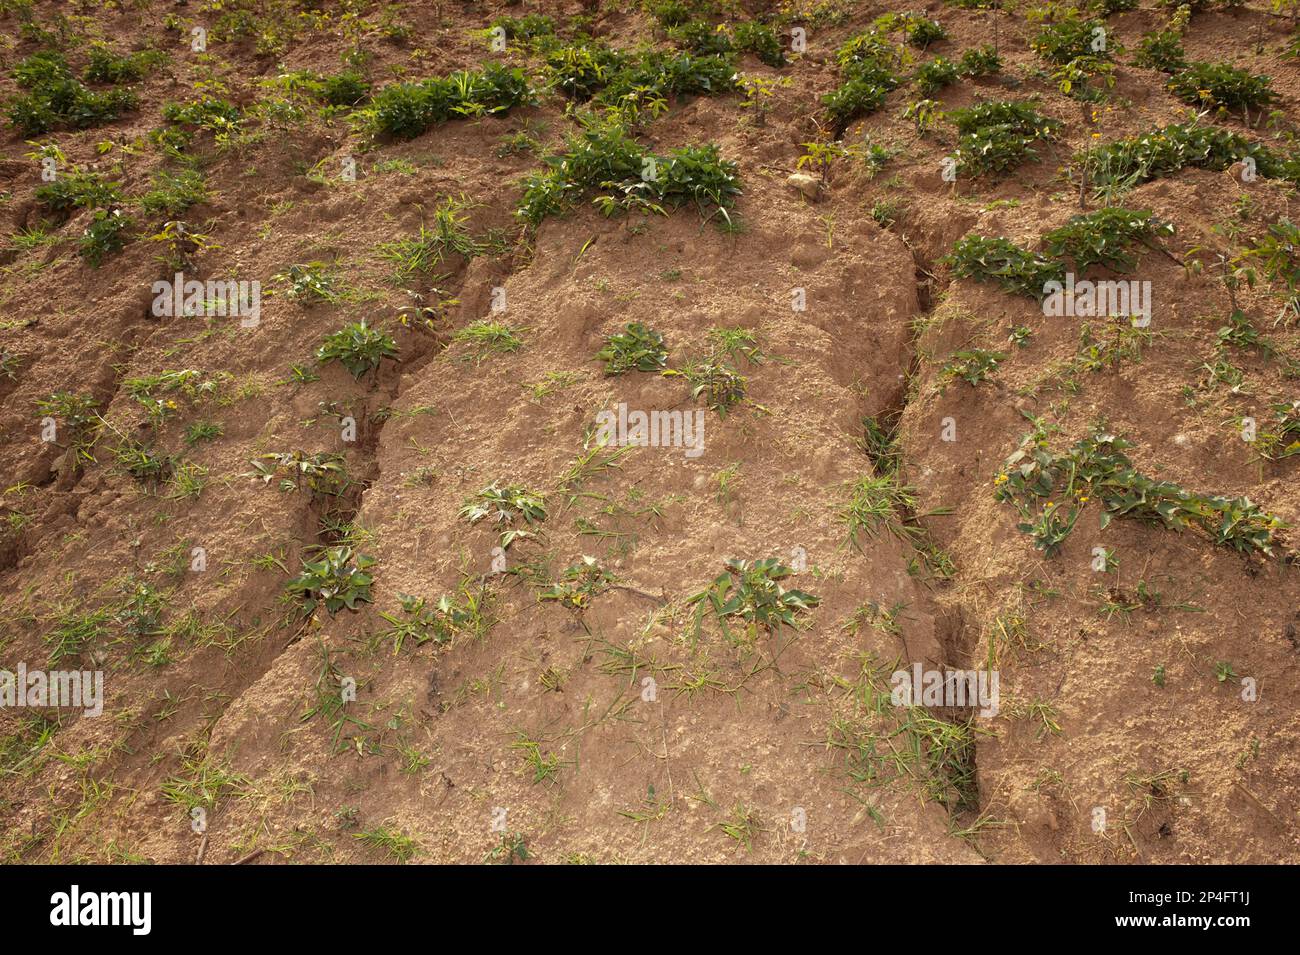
(652, 431)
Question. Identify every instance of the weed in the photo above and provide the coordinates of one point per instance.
(489, 337)
(1104, 237)
(1219, 85)
(358, 348)
(996, 136)
(1096, 467)
(502, 506)
(753, 592)
(971, 366)
(323, 475)
(405, 110)
(393, 842)
(636, 348)
(336, 580)
(310, 282)
(999, 260)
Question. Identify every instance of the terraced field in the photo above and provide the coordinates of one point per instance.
(608, 432)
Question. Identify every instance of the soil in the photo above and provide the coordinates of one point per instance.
(777, 746)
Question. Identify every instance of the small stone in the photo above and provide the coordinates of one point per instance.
(810, 186)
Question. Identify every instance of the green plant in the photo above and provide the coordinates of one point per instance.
(918, 30)
(752, 591)
(876, 501)
(999, 260)
(636, 348)
(310, 282)
(79, 416)
(358, 348)
(710, 378)
(996, 136)
(1280, 438)
(210, 113)
(750, 36)
(629, 177)
(579, 584)
(430, 247)
(439, 623)
(105, 235)
(1161, 50)
(1166, 150)
(490, 337)
(324, 474)
(971, 365)
(1034, 479)
(78, 189)
(1221, 85)
(502, 506)
(1104, 237)
(933, 75)
(174, 192)
(861, 94)
(337, 579)
(1071, 39)
(55, 98)
(395, 843)
(405, 110)
(1278, 256)
(105, 66)
(980, 61)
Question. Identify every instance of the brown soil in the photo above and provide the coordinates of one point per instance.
(742, 734)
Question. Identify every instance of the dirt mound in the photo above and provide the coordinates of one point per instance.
(358, 524)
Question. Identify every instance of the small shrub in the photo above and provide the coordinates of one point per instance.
(752, 592)
(210, 113)
(1161, 50)
(1222, 85)
(406, 110)
(358, 348)
(336, 580)
(997, 136)
(605, 157)
(980, 61)
(760, 40)
(636, 348)
(934, 75)
(999, 260)
(174, 192)
(56, 99)
(105, 66)
(1104, 237)
(1167, 150)
(106, 234)
(76, 189)
(1071, 39)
